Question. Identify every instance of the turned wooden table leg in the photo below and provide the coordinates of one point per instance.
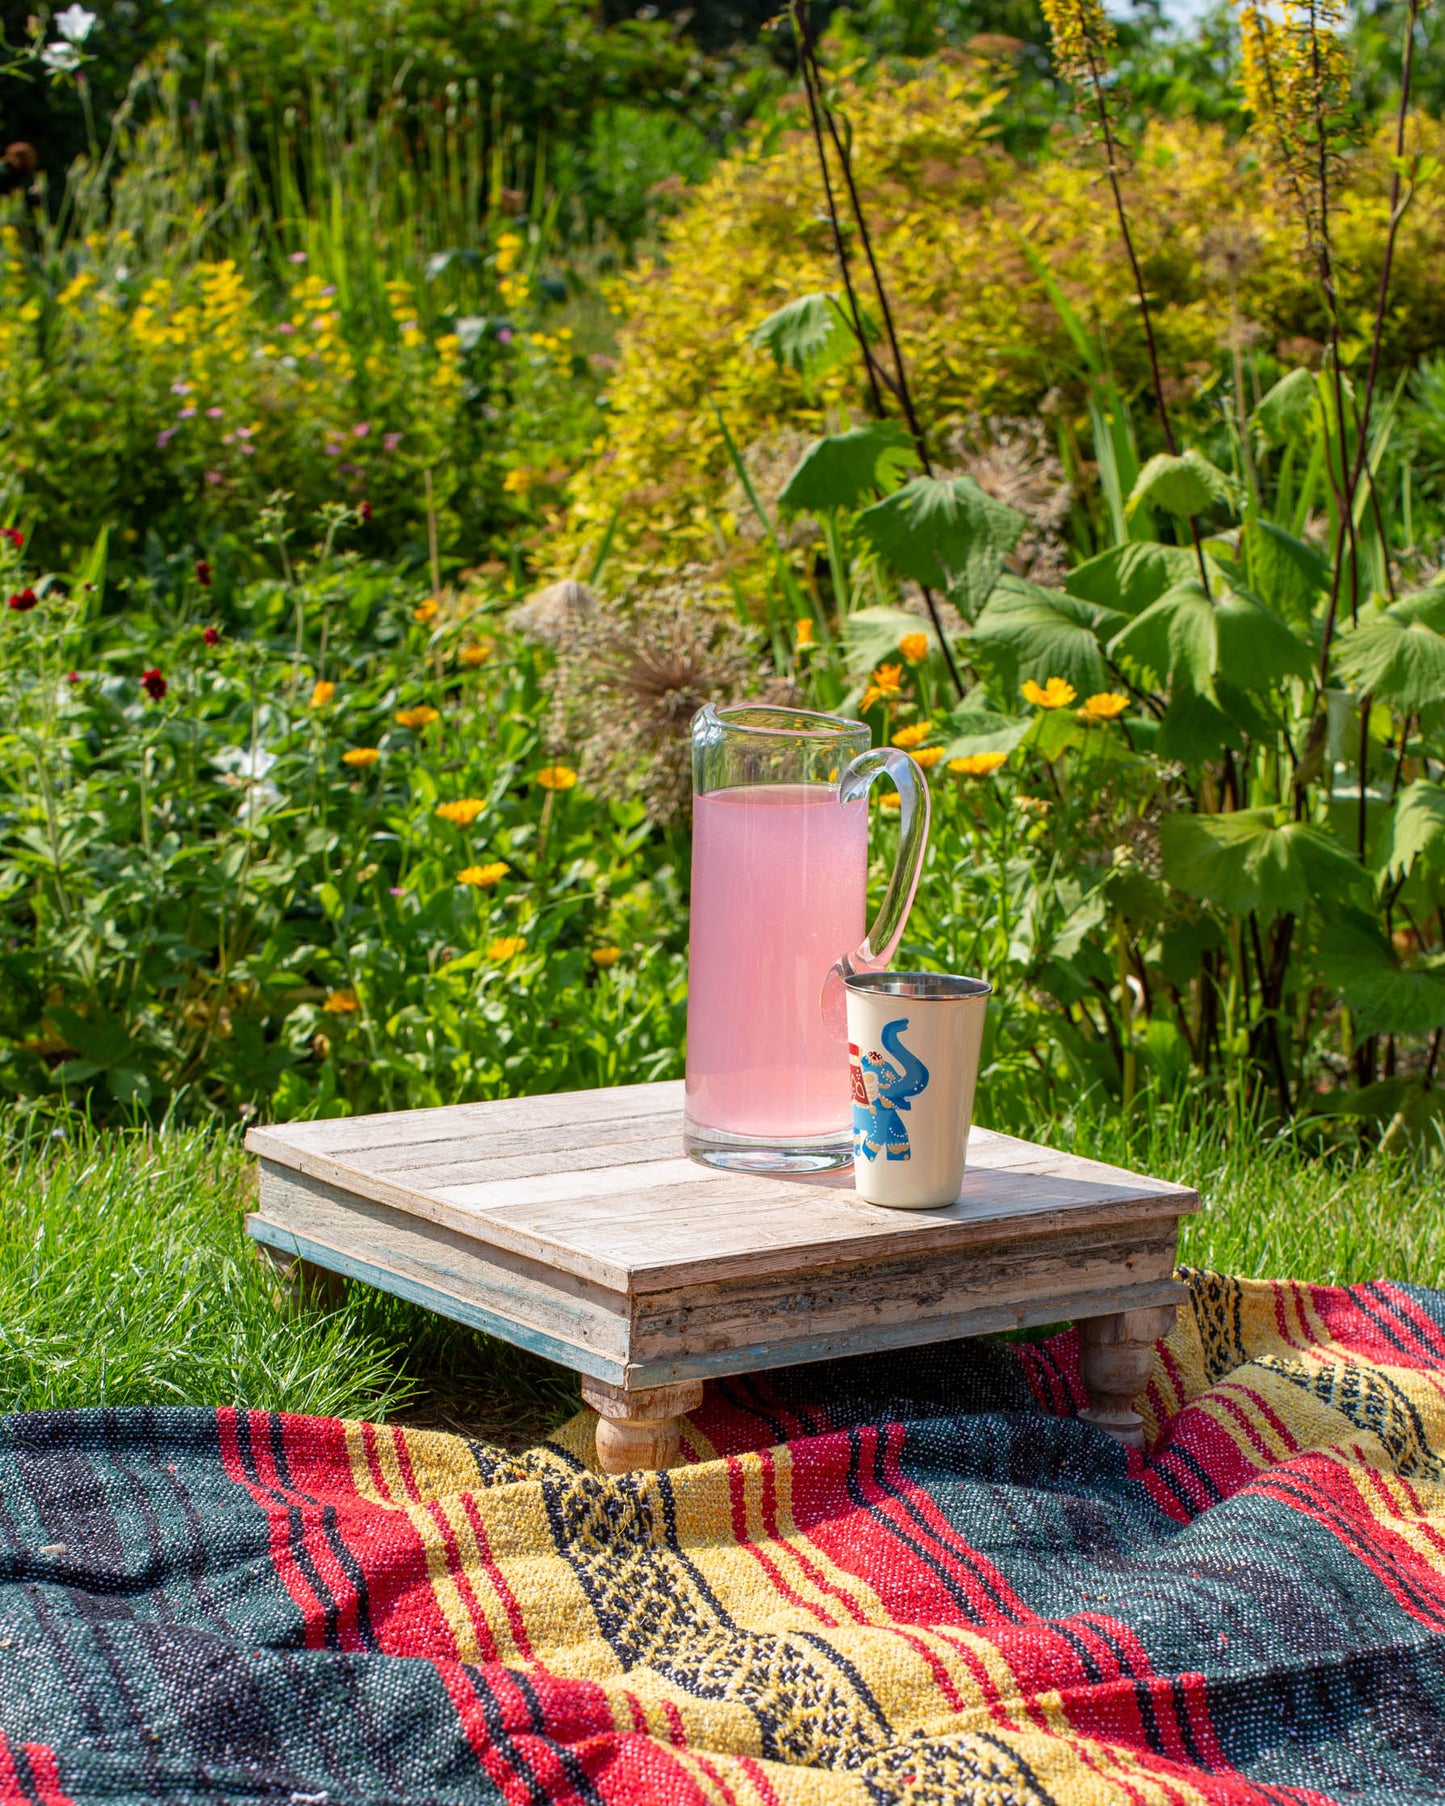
(639, 1429)
(1117, 1355)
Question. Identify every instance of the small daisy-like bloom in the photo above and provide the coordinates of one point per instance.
(914, 647)
(421, 716)
(506, 946)
(361, 755)
(476, 654)
(978, 765)
(890, 799)
(23, 601)
(212, 636)
(1055, 694)
(154, 684)
(321, 693)
(606, 956)
(884, 685)
(341, 1003)
(203, 573)
(556, 777)
(928, 756)
(14, 535)
(482, 877)
(463, 812)
(909, 737)
(803, 633)
(425, 611)
(1105, 706)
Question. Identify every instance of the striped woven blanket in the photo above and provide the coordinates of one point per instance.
(912, 1577)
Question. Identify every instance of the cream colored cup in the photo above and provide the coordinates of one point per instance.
(914, 1040)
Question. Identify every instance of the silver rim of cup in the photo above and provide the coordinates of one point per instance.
(920, 987)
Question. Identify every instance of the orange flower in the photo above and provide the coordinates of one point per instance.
(482, 877)
(341, 1003)
(803, 633)
(426, 611)
(476, 654)
(361, 755)
(914, 647)
(928, 756)
(463, 812)
(556, 777)
(1104, 707)
(606, 956)
(321, 693)
(884, 685)
(421, 716)
(978, 765)
(890, 799)
(909, 737)
(1055, 694)
(506, 946)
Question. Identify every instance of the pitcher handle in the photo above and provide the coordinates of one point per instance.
(880, 943)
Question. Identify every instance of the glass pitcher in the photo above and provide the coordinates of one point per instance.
(779, 895)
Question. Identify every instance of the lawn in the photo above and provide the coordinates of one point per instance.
(137, 1237)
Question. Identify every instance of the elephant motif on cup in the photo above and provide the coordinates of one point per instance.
(883, 1082)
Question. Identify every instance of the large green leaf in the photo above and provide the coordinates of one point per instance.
(1384, 998)
(1130, 577)
(971, 729)
(810, 335)
(946, 533)
(1189, 638)
(1285, 414)
(1398, 653)
(1415, 831)
(847, 468)
(1255, 859)
(1028, 632)
(1287, 573)
(1187, 484)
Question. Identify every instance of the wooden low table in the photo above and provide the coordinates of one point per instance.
(574, 1225)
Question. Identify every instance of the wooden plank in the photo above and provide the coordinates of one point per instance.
(989, 1319)
(553, 1312)
(862, 1299)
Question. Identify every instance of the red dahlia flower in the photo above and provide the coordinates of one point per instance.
(14, 535)
(212, 636)
(154, 684)
(23, 599)
(365, 511)
(203, 573)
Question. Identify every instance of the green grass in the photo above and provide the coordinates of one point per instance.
(126, 1277)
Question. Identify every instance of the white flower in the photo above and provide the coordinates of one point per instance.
(245, 769)
(60, 59)
(74, 24)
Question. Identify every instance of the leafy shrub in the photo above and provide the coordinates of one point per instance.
(967, 236)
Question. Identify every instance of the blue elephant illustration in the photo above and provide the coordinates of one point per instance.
(881, 1089)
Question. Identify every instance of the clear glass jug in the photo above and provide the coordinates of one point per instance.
(779, 896)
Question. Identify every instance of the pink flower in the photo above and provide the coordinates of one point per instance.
(213, 477)
(390, 442)
(186, 414)
(214, 413)
(361, 429)
(286, 328)
(504, 335)
(297, 257)
(164, 437)
(72, 677)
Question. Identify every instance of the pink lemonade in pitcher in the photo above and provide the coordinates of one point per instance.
(779, 882)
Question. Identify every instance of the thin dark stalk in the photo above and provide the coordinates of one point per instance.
(1366, 703)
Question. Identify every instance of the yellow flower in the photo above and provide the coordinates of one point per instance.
(482, 877)
(928, 756)
(520, 479)
(909, 737)
(506, 946)
(977, 765)
(914, 647)
(341, 1003)
(884, 685)
(463, 812)
(421, 716)
(477, 654)
(556, 777)
(803, 633)
(606, 956)
(890, 800)
(321, 693)
(1055, 694)
(361, 755)
(1105, 706)
(426, 611)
